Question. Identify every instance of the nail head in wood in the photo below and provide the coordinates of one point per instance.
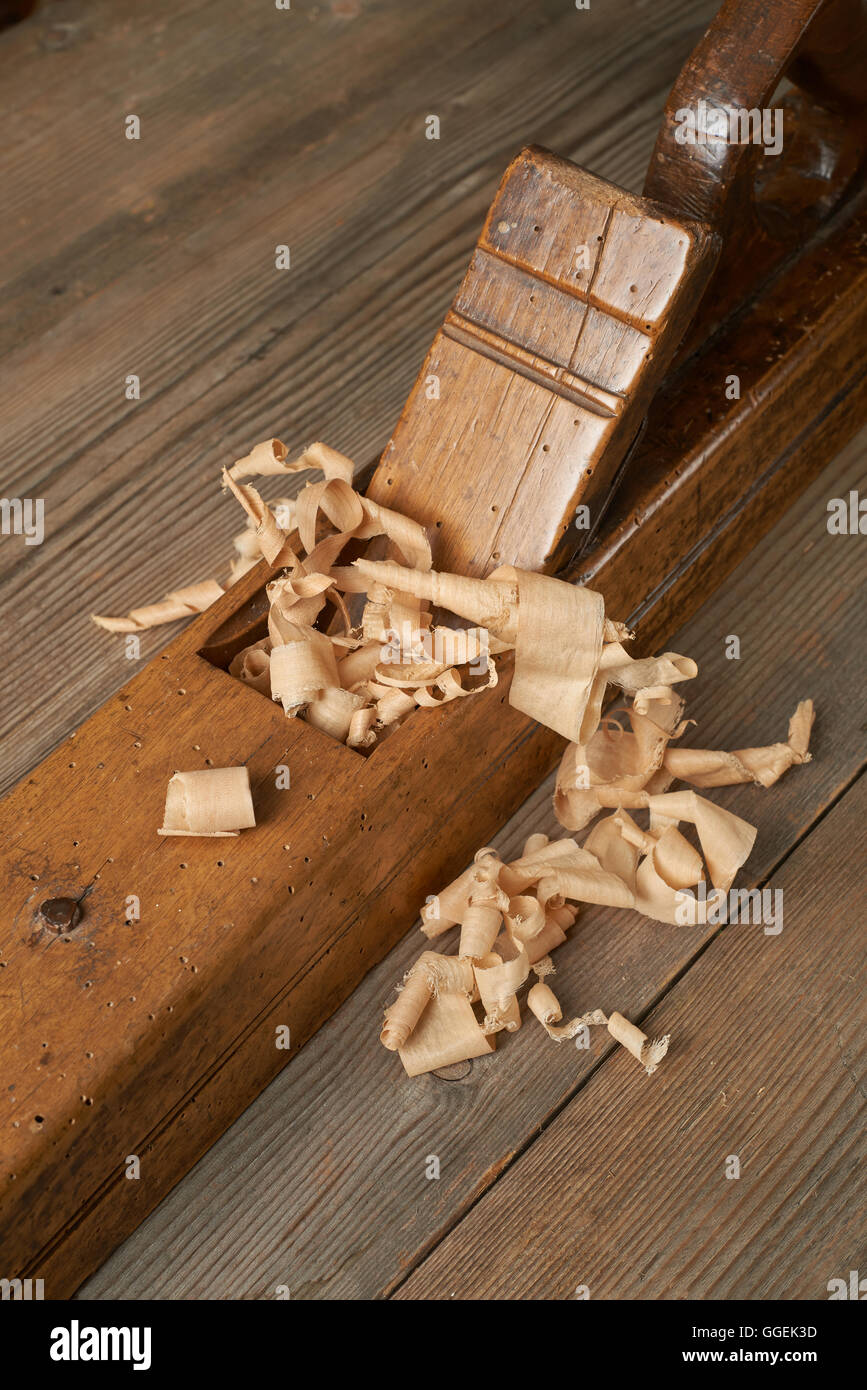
(60, 914)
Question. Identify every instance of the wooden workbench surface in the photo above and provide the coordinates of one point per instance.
(156, 257)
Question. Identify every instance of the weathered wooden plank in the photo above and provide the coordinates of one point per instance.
(293, 129)
(627, 1193)
(321, 1184)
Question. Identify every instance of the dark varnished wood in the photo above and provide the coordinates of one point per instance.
(737, 67)
(765, 205)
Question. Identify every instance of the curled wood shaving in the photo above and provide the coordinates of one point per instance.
(357, 684)
(498, 979)
(566, 652)
(704, 767)
(646, 1051)
(246, 544)
(215, 802)
(180, 603)
(270, 457)
(253, 665)
(354, 683)
(512, 915)
(432, 1023)
(354, 650)
(504, 934)
(542, 1001)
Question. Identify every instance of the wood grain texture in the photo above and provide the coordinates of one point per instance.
(65, 1158)
(574, 302)
(484, 735)
(321, 1183)
(157, 257)
(164, 1027)
(190, 293)
(767, 1064)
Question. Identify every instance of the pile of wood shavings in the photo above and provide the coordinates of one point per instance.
(354, 680)
(567, 655)
(359, 680)
(512, 915)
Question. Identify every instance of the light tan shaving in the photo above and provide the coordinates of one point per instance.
(356, 648)
(212, 802)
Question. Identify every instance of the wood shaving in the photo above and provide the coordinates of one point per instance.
(511, 915)
(215, 802)
(355, 650)
(180, 603)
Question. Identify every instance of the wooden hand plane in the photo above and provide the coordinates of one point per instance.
(146, 984)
